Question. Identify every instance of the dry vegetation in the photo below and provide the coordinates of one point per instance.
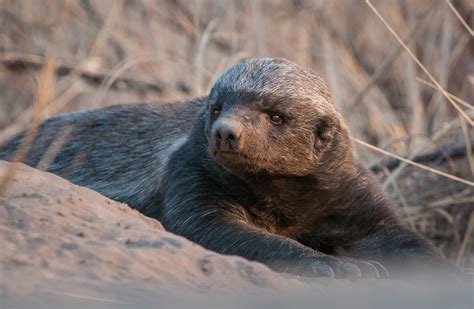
(107, 52)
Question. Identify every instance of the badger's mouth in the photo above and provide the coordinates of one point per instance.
(226, 154)
(233, 160)
(229, 156)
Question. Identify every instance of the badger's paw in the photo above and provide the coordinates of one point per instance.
(341, 267)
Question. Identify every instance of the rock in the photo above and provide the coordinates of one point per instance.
(62, 245)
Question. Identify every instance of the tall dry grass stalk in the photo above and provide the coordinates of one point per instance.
(457, 99)
(44, 94)
(410, 162)
(418, 62)
(459, 16)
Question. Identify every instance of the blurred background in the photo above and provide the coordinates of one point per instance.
(107, 52)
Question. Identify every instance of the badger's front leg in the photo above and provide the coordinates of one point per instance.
(218, 226)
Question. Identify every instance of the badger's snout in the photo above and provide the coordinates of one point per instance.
(227, 135)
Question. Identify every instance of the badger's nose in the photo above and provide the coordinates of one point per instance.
(227, 134)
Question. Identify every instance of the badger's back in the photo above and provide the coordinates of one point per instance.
(119, 151)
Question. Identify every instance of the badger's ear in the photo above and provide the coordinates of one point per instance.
(324, 131)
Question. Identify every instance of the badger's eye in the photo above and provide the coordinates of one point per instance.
(216, 111)
(276, 119)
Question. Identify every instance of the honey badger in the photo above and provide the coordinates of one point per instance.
(261, 168)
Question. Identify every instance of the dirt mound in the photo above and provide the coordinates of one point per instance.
(54, 231)
(66, 246)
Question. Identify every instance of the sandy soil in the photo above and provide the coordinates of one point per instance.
(63, 245)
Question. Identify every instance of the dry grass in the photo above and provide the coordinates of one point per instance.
(402, 73)
(44, 93)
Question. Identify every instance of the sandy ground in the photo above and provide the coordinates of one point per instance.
(67, 246)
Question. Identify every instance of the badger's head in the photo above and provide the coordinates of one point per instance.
(273, 116)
